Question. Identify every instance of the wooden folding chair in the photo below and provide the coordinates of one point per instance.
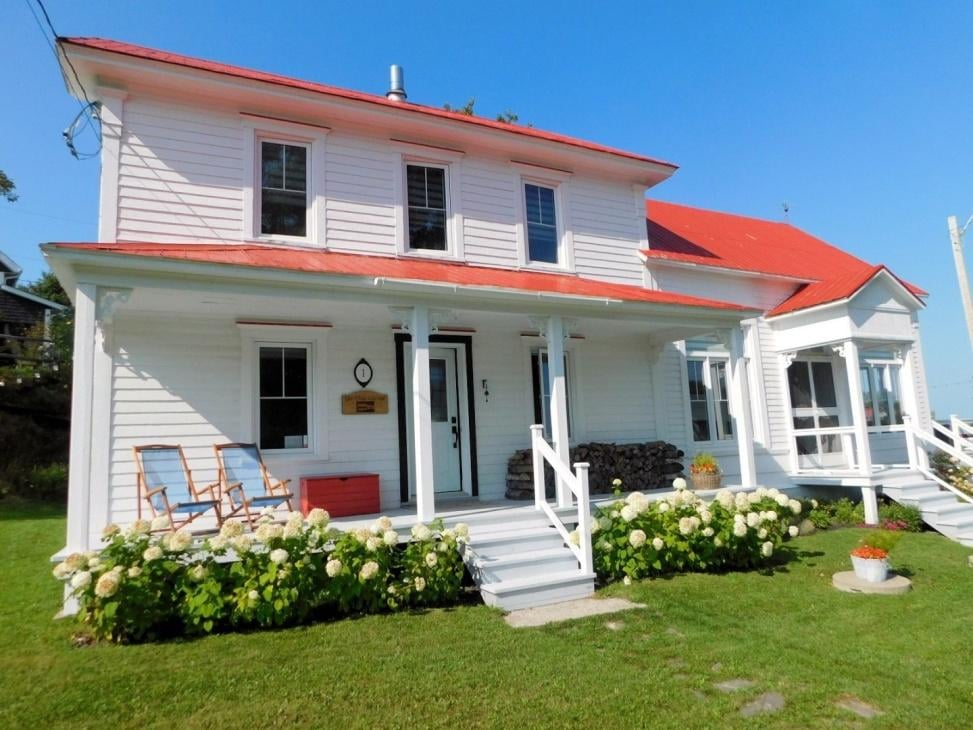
(166, 483)
(246, 483)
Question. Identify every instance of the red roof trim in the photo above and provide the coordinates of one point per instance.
(151, 54)
(361, 265)
(835, 290)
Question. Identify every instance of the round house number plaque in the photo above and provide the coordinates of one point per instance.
(363, 373)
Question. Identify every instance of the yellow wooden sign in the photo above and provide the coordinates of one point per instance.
(364, 402)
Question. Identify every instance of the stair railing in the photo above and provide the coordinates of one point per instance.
(916, 440)
(962, 433)
(577, 482)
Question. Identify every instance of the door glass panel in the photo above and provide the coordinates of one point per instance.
(698, 406)
(867, 397)
(824, 385)
(878, 385)
(721, 400)
(830, 443)
(437, 391)
(800, 385)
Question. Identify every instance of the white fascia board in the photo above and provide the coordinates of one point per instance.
(126, 265)
(653, 261)
(32, 297)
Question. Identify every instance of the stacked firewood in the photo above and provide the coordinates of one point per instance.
(643, 466)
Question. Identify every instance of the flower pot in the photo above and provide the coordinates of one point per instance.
(706, 481)
(873, 570)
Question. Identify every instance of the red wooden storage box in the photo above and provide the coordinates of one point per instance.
(341, 494)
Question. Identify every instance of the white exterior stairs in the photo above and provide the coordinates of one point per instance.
(519, 560)
(942, 510)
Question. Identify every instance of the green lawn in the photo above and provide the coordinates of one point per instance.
(788, 631)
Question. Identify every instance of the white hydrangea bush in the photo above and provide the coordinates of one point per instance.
(142, 586)
(681, 532)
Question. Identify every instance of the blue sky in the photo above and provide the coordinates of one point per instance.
(857, 114)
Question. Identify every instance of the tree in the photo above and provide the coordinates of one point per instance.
(466, 109)
(49, 288)
(7, 187)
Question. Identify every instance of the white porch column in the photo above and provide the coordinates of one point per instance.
(559, 404)
(82, 397)
(422, 415)
(742, 417)
(849, 351)
(910, 404)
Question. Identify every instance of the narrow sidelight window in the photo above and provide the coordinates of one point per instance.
(542, 244)
(283, 399)
(709, 398)
(427, 207)
(283, 189)
(542, 390)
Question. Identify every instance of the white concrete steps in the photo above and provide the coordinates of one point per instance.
(940, 508)
(519, 560)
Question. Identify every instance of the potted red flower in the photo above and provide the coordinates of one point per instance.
(705, 471)
(871, 558)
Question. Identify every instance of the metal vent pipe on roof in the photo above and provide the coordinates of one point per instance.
(396, 90)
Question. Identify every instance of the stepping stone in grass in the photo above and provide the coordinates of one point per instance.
(857, 706)
(614, 625)
(735, 685)
(767, 702)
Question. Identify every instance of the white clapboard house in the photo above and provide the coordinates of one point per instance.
(266, 245)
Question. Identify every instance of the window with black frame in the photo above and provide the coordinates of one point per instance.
(283, 397)
(426, 191)
(283, 189)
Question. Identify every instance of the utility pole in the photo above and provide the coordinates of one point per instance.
(956, 237)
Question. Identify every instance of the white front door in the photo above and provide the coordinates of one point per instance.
(444, 405)
(814, 404)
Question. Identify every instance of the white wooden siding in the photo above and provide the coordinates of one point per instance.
(606, 230)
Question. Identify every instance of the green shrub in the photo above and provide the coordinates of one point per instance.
(635, 538)
(142, 586)
(884, 540)
(901, 517)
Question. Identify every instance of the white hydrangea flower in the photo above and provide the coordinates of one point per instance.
(449, 534)
(616, 482)
(368, 571)
(253, 596)
(753, 497)
(767, 549)
(740, 529)
(442, 547)
(594, 526)
(420, 584)
(217, 543)
(741, 501)
(318, 517)
(679, 483)
(373, 543)
(662, 506)
(421, 533)
(432, 559)
(362, 534)
(242, 544)
(384, 523)
(708, 532)
(267, 514)
(94, 564)
(62, 571)
(575, 537)
(772, 516)
(390, 538)
(627, 581)
(143, 527)
(179, 540)
(657, 543)
(814, 504)
(725, 497)
(107, 585)
(134, 572)
(772, 492)
(151, 553)
(753, 519)
(462, 530)
(695, 522)
(706, 516)
(762, 533)
(75, 561)
(686, 525)
(636, 538)
(739, 519)
(231, 529)
(603, 546)
(717, 541)
(198, 573)
(292, 531)
(782, 500)
(111, 529)
(279, 556)
(295, 519)
(795, 506)
(793, 531)
(333, 567)
(629, 513)
(81, 579)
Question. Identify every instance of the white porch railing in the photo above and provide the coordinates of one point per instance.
(962, 433)
(848, 436)
(576, 482)
(916, 441)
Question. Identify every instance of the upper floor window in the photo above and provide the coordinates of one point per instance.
(427, 207)
(283, 189)
(541, 214)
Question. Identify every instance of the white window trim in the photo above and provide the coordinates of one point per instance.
(253, 337)
(313, 138)
(565, 240)
(717, 446)
(454, 218)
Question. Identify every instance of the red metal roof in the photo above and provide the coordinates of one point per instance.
(151, 54)
(407, 269)
(684, 234)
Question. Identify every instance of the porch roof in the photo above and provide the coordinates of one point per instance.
(837, 289)
(313, 261)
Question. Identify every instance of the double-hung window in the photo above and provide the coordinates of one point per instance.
(284, 396)
(880, 391)
(428, 210)
(709, 394)
(283, 189)
(540, 375)
(540, 210)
